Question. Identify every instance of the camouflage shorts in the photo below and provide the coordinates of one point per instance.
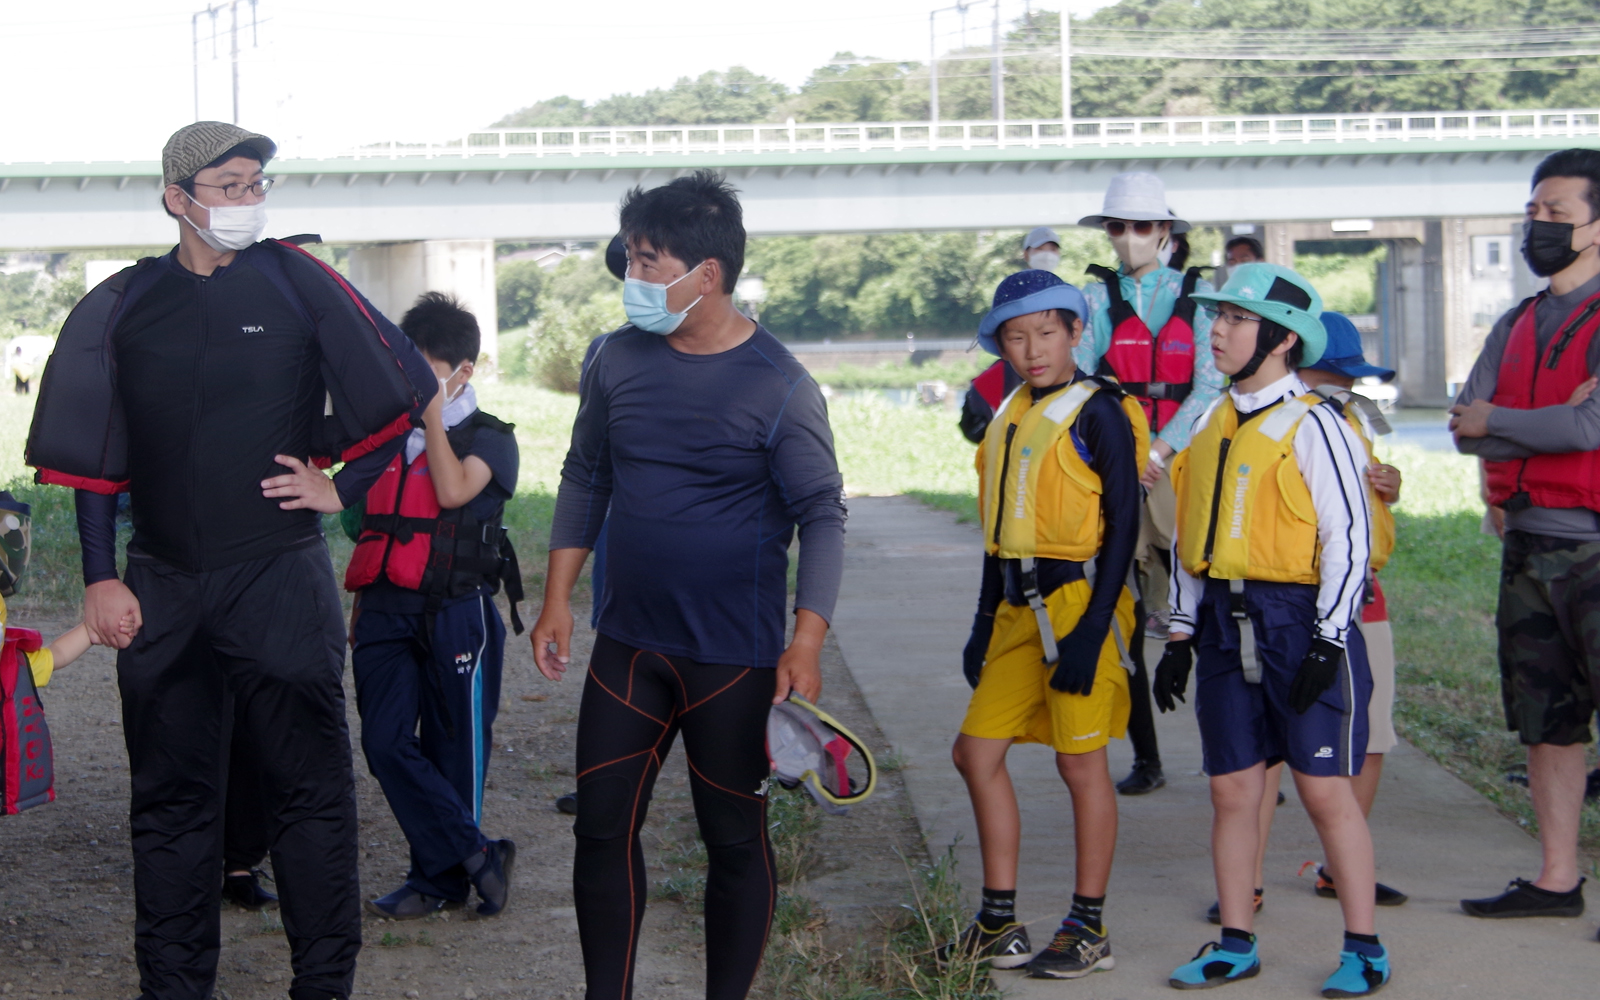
(1549, 624)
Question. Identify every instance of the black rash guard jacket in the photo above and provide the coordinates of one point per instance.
(216, 374)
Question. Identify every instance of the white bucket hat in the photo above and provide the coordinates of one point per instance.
(1137, 196)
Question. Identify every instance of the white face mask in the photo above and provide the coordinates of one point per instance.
(445, 382)
(1044, 260)
(1136, 251)
(1164, 255)
(233, 227)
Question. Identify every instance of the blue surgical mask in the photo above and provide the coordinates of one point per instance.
(645, 302)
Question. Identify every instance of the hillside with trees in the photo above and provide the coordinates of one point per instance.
(866, 89)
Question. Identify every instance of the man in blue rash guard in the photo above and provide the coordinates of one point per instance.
(708, 444)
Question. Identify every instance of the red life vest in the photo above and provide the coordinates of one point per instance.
(1527, 381)
(1158, 370)
(27, 768)
(409, 540)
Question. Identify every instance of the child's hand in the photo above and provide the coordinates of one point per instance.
(128, 626)
(1385, 479)
(305, 486)
(1583, 391)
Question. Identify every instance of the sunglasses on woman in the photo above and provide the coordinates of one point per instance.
(1116, 227)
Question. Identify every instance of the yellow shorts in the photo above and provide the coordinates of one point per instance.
(1014, 699)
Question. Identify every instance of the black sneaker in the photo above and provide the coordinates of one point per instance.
(405, 903)
(1214, 915)
(492, 880)
(1074, 952)
(245, 891)
(1005, 948)
(1524, 899)
(1145, 778)
(1385, 896)
(568, 804)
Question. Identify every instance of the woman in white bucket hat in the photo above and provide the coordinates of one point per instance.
(1149, 304)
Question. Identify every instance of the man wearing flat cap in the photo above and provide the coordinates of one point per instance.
(211, 385)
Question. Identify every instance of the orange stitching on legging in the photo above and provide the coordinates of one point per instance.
(772, 881)
(617, 760)
(690, 761)
(602, 686)
(718, 691)
(633, 836)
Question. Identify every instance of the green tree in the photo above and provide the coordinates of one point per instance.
(517, 287)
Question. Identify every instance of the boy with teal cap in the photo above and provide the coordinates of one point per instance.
(1270, 564)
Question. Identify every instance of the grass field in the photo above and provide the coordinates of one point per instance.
(1441, 581)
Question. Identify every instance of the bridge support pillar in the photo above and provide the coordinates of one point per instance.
(1279, 244)
(392, 275)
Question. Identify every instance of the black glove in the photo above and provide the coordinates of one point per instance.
(1317, 673)
(977, 647)
(1172, 674)
(1079, 659)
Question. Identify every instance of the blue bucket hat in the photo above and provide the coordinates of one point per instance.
(1028, 292)
(1280, 294)
(1343, 354)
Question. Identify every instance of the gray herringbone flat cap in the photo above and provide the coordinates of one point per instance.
(194, 146)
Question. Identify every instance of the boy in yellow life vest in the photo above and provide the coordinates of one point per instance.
(1270, 567)
(1058, 478)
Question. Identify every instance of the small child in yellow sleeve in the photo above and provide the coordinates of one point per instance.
(45, 660)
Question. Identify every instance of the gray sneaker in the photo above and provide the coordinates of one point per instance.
(1075, 952)
(1006, 948)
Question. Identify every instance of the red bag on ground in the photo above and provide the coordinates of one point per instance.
(27, 766)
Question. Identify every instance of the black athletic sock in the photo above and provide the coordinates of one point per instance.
(1237, 941)
(1086, 910)
(1363, 944)
(999, 908)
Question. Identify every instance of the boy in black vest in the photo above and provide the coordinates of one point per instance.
(428, 638)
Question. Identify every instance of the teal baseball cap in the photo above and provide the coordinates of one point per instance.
(1278, 293)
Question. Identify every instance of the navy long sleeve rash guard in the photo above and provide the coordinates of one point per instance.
(707, 463)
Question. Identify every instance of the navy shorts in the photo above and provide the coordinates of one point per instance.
(1243, 724)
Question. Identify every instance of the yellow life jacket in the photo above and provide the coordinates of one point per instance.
(1244, 510)
(1038, 497)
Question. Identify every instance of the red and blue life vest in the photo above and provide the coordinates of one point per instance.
(1157, 369)
(27, 767)
(408, 539)
(1527, 381)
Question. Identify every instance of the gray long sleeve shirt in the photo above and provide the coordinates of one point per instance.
(1515, 433)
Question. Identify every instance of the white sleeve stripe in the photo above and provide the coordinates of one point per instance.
(1344, 559)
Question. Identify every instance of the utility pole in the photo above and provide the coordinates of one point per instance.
(997, 88)
(1066, 71)
(212, 10)
(933, 60)
(235, 53)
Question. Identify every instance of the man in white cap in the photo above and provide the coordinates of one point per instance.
(1041, 250)
(1146, 331)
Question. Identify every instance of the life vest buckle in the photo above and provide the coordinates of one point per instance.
(1519, 501)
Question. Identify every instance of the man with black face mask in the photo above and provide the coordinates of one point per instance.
(1528, 411)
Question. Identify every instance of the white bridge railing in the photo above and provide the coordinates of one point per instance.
(793, 137)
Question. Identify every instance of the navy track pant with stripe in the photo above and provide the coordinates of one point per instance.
(426, 729)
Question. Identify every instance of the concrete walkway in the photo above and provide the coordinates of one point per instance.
(909, 590)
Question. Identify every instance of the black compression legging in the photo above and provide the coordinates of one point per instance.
(634, 704)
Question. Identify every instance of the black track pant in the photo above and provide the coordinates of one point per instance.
(634, 704)
(1141, 717)
(261, 642)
